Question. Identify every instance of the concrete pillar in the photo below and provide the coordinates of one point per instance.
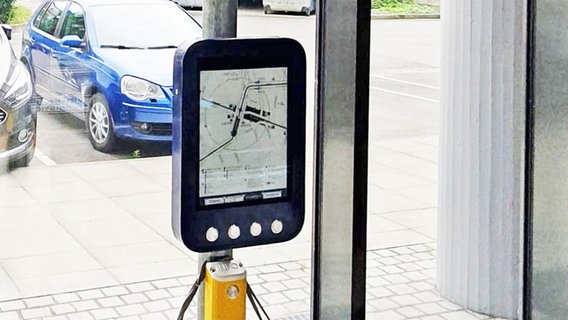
(482, 154)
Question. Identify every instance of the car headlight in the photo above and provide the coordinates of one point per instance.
(140, 90)
(19, 87)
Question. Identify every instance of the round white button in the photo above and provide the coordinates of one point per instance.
(234, 232)
(277, 226)
(255, 229)
(212, 234)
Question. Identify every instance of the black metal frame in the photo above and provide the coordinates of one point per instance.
(529, 164)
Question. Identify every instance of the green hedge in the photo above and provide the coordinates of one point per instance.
(6, 10)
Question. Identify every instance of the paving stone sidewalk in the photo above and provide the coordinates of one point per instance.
(400, 285)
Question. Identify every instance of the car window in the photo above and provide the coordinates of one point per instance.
(74, 23)
(48, 22)
(40, 15)
(142, 25)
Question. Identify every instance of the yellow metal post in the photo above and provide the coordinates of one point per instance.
(225, 291)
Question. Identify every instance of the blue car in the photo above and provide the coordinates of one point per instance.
(109, 63)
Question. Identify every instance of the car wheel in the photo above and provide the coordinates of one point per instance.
(99, 124)
(306, 11)
(267, 10)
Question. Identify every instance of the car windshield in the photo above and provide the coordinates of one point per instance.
(142, 26)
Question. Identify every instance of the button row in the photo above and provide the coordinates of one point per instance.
(234, 231)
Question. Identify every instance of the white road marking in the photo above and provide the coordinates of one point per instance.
(43, 158)
(405, 82)
(405, 95)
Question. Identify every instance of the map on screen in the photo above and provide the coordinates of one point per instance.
(243, 135)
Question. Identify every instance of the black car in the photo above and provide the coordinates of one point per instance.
(17, 115)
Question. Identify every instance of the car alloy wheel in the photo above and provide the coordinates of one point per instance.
(99, 124)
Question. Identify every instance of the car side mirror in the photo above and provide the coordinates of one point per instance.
(72, 41)
(7, 30)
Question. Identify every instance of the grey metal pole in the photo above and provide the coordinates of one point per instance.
(220, 18)
(219, 21)
(340, 216)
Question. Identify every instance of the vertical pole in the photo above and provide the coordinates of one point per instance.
(219, 21)
(482, 141)
(340, 216)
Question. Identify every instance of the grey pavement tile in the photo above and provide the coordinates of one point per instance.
(431, 140)
(388, 178)
(39, 302)
(383, 304)
(110, 302)
(398, 160)
(9, 291)
(71, 212)
(8, 181)
(414, 218)
(410, 312)
(106, 171)
(15, 197)
(66, 191)
(163, 179)
(376, 223)
(18, 218)
(128, 187)
(36, 313)
(140, 287)
(110, 233)
(274, 286)
(427, 194)
(431, 232)
(63, 308)
(51, 264)
(150, 271)
(66, 297)
(12, 315)
(395, 238)
(155, 203)
(45, 176)
(12, 305)
(85, 305)
(153, 166)
(383, 201)
(130, 254)
(431, 308)
(412, 148)
(386, 315)
(458, 315)
(107, 313)
(64, 283)
(36, 240)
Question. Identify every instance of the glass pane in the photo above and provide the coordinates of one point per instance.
(51, 17)
(74, 23)
(550, 221)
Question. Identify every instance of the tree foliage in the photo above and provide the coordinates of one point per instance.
(6, 7)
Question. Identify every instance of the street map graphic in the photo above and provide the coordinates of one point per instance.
(243, 135)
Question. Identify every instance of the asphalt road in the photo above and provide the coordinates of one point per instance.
(405, 60)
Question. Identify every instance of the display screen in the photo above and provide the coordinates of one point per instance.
(243, 135)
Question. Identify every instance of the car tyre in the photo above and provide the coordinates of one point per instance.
(267, 10)
(306, 11)
(99, 124)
